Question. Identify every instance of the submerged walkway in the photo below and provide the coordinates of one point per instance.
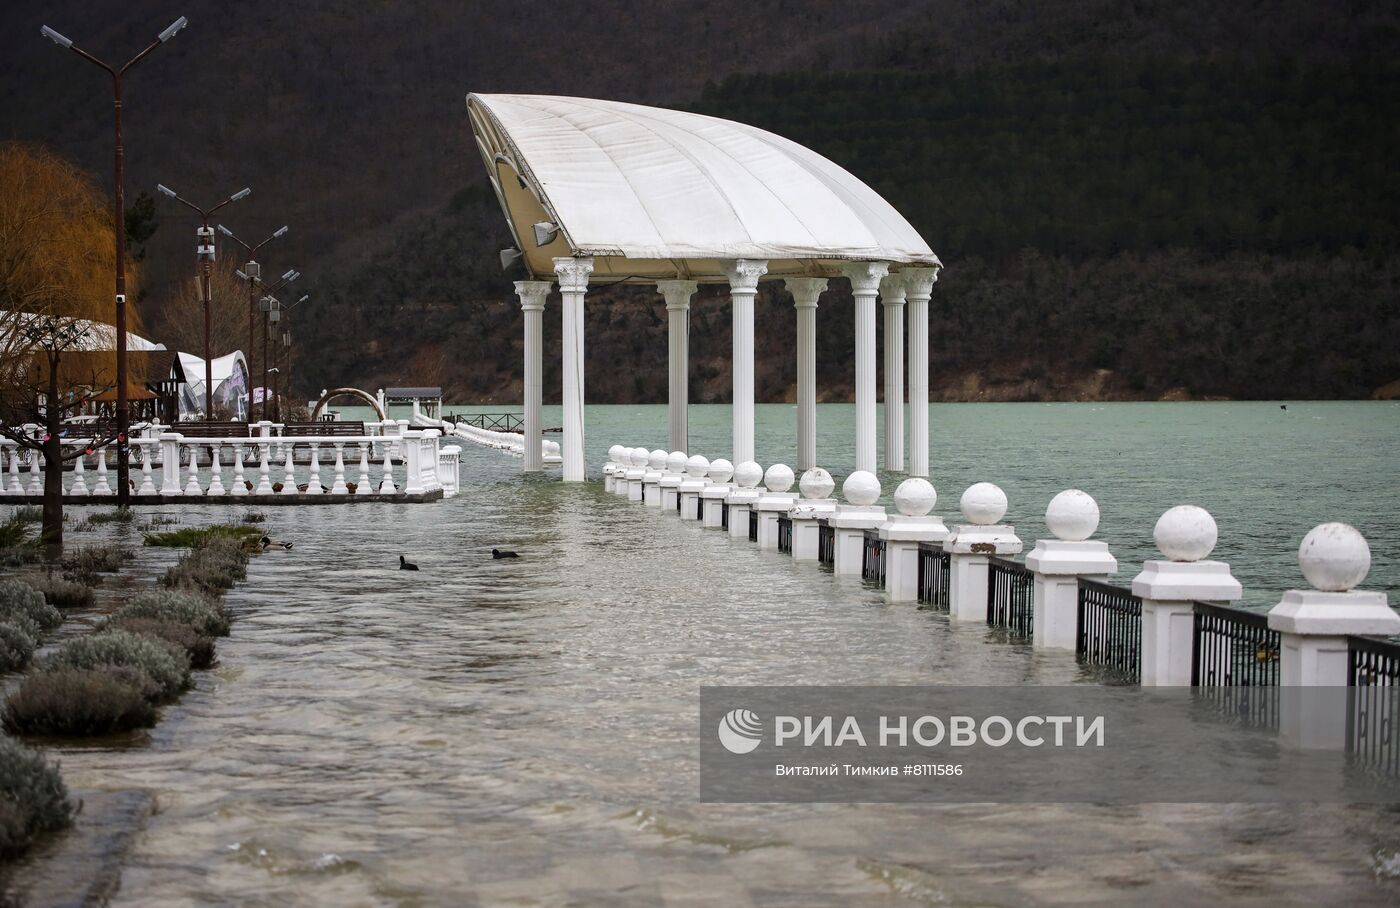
(487, 731)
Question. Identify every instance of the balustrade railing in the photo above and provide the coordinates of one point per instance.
(1110, 629)
(753, 525)
(1231, 647)
(1010, 595)
(785, 535)
(1373, 707)
(935, 574)
(872, 563)
(826, 542)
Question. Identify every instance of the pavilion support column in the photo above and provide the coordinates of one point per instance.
(805, 291)
(865, 286)
(743, 287)
(918, 287)
(573, 284)
(892, 298)
(532, 295)
(678, 294)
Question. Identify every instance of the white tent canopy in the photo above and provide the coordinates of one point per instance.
(230, 374)
(652, 193)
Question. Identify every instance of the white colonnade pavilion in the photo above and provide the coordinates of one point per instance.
(602, 192)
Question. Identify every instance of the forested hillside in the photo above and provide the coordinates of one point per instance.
(1132, 199)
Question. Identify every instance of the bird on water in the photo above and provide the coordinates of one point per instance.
(498, 553)
(267, 541)
(406, 565)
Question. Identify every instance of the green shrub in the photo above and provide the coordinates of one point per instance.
(206, 616)
(14, 532)
(86, 564)
(81, 702)
(215, 565)
(33, 795)
(198, 647)
(192, 537)
(63, 593)
(20, 555)
(120, 515)
(253, 517)
(17, 644)
(18, 598)
(169, 671)
(29, 513)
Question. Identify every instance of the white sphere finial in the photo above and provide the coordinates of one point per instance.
(1334, 557)
(615, 453)
(1185, 533)
(697, 466)
(915, 497)
(748, 474)
(778, 478)
(1073, 515)
(657, 460)
(983, 504)
(861, 488)
(639, 457)
(816, 483)
(721, 470)
(675, 462)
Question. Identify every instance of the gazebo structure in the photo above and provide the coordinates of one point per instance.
(602, 190)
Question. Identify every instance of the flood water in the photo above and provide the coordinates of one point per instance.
(523, 732)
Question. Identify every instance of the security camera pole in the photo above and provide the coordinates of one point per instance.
(204, 251)
(251, 272)
(123, 412)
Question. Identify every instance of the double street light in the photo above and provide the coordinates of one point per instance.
(123, 411)
(267, 304)
(204, 252)
(273, 315)
(251, 272)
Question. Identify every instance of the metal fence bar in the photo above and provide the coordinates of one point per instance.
(1110, 628)
(1231, 647)
(724, 514)
(1010, 595)
(753, 525)
(872, 563)
(935, 569)
(1373, 703)
(826, 542)
(785, 535)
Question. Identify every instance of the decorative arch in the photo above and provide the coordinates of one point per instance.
(346, 392)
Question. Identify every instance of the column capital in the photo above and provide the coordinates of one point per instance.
(744, 273)
(677, 293)
(865, 276)
(573, 272)
(918, 282)
(892, 289)
(532, 294)
(805, 290)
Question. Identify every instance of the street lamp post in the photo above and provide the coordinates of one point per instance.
(267, 303)
(252, 273)
(204, 251)
(286, 356)
(123, 412)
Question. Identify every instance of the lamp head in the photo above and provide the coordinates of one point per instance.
(173, 29)
(55, 37)
(166, 190)
(510, 257)
(545, 232)
(240, 194)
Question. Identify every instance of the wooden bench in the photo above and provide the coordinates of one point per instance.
(211, 429)
(329, 427)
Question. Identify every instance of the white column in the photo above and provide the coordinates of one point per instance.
(892, 299)
(678, 294)
(743, 286)
(865, 286)
(532, 295)
(918, 287)
(805, 291)
(573, 284)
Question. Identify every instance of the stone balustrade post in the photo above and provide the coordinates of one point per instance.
(714, 496)
(610, 469)
(747, 476)
(148, 486)
(289, 478)
(170, 464)
(15, 487)
(264, 469)
(861, 490)
(240, 485)
(694, 482)
(774, 503)
(634, 476)
(1059, 563)
(815, 505)
(192, 486)
(101, 487)
(36, 475)
(364, 485)
(671, 479)
(1185, 534)
(338, 487)
(216, 470)
(79, 486)
(902, 534)
(1313, 627)
(651, 478)
(969, 546)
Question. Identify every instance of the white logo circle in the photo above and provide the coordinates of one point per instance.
(740, 731)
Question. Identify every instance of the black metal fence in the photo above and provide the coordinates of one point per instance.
(1110, 628)
(785, 535)
(826, 542)
(1010, 595)
(1231, 647)
(1373, 708)
(753, 525)
(872, 563)
(495, 422)
(678, 501)
(935, 572)
(724, 514)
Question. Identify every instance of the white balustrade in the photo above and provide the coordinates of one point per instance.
(364, 485)
(79, 480)
(102, 487)
(240, 485)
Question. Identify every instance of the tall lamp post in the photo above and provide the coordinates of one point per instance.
(251, 272)
(266, 304)
(204, 252)
(285, 374)
(123, 412)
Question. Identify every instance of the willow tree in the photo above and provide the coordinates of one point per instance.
(56, 262)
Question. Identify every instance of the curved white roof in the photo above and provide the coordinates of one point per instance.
(97, 336)
(680, 190)
(222, 366)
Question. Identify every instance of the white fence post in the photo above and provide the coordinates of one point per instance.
(746, 477)
(969, 546)
(170, 464)
(861, 489)
(775, 502)
(902, 534)
(807, 513)
(1058, 563)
